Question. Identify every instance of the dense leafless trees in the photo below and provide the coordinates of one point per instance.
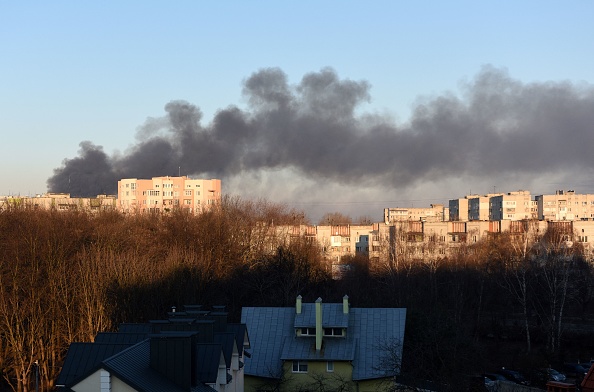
(66, 276)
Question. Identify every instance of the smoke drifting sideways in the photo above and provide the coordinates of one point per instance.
(493, 128)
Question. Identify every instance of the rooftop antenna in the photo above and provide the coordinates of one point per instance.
(179, 171)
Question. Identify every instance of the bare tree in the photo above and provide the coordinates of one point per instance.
(335, 218)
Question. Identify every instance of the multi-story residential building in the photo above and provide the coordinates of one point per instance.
(61, 202)
(423, 241)
(351, 240)
(435, 213)
(511, 206)
(565, 205)
(478, 207)
(459, 208)
(162, 194)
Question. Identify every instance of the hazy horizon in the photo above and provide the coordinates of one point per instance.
(368, 107)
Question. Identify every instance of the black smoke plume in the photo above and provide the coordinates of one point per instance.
(495, 125)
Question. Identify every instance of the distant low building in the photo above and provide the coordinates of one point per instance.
(61, 202)
(435, 213)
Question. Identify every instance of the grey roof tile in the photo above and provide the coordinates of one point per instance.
(120, 337)
(133, 367)
(82, 358)
(227, 341)
(208, 356)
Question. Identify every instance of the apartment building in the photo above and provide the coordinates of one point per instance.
(478, 207)
(351, 240)
(565, 205)
(458, 208)
(162, 194)
(424, 241)
(435, 213)
(516, 205)
(60, 202)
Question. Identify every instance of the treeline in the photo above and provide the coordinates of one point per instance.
(67, 275)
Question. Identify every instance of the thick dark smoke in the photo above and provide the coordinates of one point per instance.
(495, 125)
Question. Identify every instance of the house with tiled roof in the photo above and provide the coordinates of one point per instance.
(331, 346)
(191, 351)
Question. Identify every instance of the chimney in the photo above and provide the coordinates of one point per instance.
(319, 330)
(345, 304)
(298, 305)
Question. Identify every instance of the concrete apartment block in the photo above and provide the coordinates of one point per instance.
(513, 206)
(163, 194)
(435, 213)
(60, 202)
(565, 205)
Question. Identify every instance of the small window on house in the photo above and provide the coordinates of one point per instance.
(329, 366)
(308, 331)
(299, 367)
(332, 331)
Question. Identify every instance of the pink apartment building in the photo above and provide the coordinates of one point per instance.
(162, 194)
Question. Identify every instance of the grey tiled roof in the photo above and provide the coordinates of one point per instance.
(208, 356)
(241, 335)
(333, 349)
(127, 354)
(227, 341)
(83, 358)
(375, 327)
(133, 367)
(268, 327)
(273, 338)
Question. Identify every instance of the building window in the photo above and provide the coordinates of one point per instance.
(299, 367)
(332, 331)
(308, 331)
(329, 366)
(187, 193)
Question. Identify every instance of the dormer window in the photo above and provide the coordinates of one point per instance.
(333, 332)
(308, 332)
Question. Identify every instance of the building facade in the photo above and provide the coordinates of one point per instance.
(478, 207)
(435, 213)
(565, 205)
(163, 194)
(516, 205)
(61, 202)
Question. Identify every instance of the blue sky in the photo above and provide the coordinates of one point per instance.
(74, 71)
